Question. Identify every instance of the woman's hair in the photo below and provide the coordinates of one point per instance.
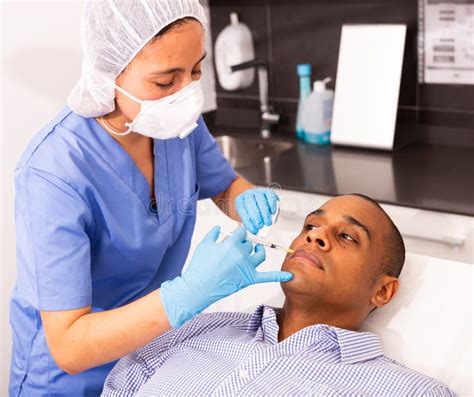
(171, 26)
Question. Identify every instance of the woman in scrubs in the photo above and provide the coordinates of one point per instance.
(106, 204)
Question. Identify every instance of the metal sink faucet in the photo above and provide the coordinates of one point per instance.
(267, 115)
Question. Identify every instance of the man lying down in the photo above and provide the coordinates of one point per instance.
(348, 256)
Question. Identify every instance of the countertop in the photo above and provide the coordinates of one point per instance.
(431, 177)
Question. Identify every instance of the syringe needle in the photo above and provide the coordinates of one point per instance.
(264, 243)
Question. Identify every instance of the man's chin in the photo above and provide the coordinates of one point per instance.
(298, 288)
(304, 278)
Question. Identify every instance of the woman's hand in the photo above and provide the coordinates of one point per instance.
(256, 207)
(215, 271)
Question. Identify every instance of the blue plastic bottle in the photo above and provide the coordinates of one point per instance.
(304, 73)
(317, 114)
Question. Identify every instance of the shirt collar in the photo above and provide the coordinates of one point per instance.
(256, 319)
(357, 346)
(354, 346)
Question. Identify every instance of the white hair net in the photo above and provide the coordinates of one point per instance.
(112, 33)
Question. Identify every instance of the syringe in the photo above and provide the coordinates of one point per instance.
(264, 243)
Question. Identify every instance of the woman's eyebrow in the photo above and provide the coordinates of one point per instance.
(174, 70)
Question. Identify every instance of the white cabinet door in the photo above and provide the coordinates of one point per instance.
(437, 234)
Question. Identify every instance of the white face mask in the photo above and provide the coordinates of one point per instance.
(169, 117)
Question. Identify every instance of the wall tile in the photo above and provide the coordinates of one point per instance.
(309, 32)
(447, 118)
(447, 97)
(234, 111)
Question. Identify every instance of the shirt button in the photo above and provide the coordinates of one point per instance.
(244, 374)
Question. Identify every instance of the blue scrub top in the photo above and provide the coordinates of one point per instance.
(88, 233)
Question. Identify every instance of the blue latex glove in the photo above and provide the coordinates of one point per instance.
(256, 207)
(215, 271)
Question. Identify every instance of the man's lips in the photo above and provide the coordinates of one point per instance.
(309, 257)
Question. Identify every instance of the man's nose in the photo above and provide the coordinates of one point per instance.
(319, 236)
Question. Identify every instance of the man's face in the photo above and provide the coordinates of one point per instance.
(337, 253)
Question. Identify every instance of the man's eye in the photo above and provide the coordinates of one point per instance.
(197, 72)
(348, 237)
(310, 227)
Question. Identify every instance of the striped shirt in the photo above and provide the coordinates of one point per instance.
(233, 354)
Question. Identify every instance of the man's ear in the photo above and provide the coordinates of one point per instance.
(386, 288)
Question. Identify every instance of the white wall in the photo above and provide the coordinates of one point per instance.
(40, 62)
(41, 58)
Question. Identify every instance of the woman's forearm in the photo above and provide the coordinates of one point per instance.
(97, 338)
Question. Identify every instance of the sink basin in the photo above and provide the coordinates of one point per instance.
(247, 151)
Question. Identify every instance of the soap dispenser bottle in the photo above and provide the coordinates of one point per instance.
(304, 74)
(317, 114)
(234, 45)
